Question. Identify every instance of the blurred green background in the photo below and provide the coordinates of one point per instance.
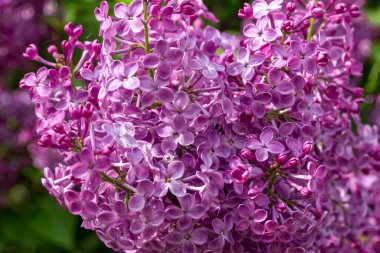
(33, 222)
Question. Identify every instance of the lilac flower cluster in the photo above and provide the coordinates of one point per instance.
(171, 142)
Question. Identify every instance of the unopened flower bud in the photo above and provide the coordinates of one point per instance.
(58, 128)
(290, 7)
(282, 158)
(31, 52)
(323, 58)
(248, 154)
(318, 12)
(246, 12)
(77, 112)
(88, 110)
(307, 147)
(280, 207)
(306, 23)
(45, 141)
(340, 8)
(72, 30)
(293, 162)
(305, 191)
(287, 26)
(357, 92)
(355, 11)
(64, 141)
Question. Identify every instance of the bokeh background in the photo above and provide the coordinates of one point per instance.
(30, 220)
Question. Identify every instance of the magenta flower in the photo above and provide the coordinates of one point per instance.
(265, 145)
(259, 34)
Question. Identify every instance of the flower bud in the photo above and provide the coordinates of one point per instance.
(87, 111)
(248, 154)
(188, 8)
(306, 23)
(355, 11)
(287, 26)
(323, 58)
(72, 30)
(340, 8)
(357, 92)
(328, 120)
(246, 12)
(280, 207)
(307, 147)
(31, 52)
(76, 112)
(282, 158)
(45, 141)
(52, 49)
(293, 162)
(64, 141)
(305, 191)
(290, 7)
(318, 12)
(58, 128)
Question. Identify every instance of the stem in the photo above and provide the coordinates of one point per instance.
(283, 38)
(311, 28)
(146, 33)
(117, 183)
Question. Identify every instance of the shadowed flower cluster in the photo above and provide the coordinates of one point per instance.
(171, 142)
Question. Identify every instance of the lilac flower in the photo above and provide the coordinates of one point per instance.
(304, 56)
(150, 219)
(259, 34)
(130, 14)
(188, 212)
(124, 76)
(223, 230)
(209, 68)
(265, 145)
(211, 149)
(38, 82)
(262, 8)
(163, 58)
(279, 83)
(170, 181)
(281, 55)
(188, 240)
(245, 64)
(250, 218)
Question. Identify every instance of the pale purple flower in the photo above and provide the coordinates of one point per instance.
(124, 76)
(264, 145)
(188, 240)
(170, 180)
(245, 64)
(251, 218)
(259, 34)
(163, 58)
(209, 68)
(222, 229)
(304, 56)
(130, 14)
(262, 8)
